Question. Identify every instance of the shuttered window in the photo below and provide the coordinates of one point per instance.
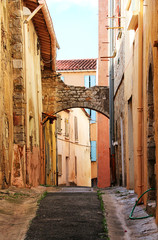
(66, 127)
(59, 165)
(93, 151)
(76, 129)
(59, 124)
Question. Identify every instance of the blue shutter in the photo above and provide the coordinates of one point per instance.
(93, 116)
(93, 151)
(92, 81)
(87, 110)
(86, 81)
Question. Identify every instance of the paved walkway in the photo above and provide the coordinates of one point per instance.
(72, 214)
(118, 204)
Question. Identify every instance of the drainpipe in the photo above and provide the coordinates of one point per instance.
(111, 93)
(140, 99)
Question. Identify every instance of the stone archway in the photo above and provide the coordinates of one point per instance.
(58, 96)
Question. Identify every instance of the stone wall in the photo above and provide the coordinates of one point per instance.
(6, 102)
(57, 96)
(119, 113)
(119, 66)
(16, 53)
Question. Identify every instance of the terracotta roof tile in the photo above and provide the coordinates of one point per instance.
(76, 64)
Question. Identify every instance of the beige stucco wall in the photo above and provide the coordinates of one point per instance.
(67, 147)
(150, 32)
(76, 78)
(150, 52)
(131, 86)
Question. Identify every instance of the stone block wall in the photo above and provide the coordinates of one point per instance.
(58, 96)
(16, 54)
(119, 113)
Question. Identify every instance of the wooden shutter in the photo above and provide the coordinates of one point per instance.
(92, 81)
(86, 81)
(66, 127)
(59, 123)
(76, 129)
(93, 151)
(93, 116)
(59, 165)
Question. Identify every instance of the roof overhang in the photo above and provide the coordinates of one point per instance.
(44, 27)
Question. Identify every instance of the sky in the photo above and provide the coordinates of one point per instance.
(76, 27)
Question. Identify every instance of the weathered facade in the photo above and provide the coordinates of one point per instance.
(82, 72)
(73, 148)
(6, 90)
(138, 90)
(21, 93)
(28, 47)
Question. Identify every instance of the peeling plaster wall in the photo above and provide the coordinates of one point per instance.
(6, 101)
(21, 100)
(33, 103)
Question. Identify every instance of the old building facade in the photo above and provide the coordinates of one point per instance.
(73, 148)
(21, 93)
(135, 81)
(83, 72)
(31, 92)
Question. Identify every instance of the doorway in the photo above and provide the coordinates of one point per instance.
(67, 171)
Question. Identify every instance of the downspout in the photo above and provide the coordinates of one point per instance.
(111, 93)
(140, 99)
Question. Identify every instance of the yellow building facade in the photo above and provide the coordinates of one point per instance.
(139, 23)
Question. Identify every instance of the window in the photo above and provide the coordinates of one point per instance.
(59, 124)
(59, 165)
(93, 151)
(76, 129)
(66, 127)
(90, 81)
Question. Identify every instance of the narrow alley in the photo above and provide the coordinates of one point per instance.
(79, 119)
(72, 213)
(76, 213)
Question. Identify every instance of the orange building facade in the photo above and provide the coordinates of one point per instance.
(103, 148)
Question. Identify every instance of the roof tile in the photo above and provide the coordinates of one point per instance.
(76, 64)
